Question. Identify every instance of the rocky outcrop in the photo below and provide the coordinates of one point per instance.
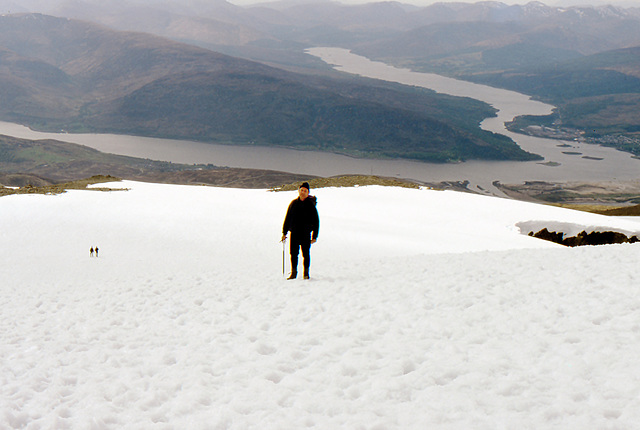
(583, 238)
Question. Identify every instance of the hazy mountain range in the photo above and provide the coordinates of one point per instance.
(583, 59)
(384, 30)
(57, 73)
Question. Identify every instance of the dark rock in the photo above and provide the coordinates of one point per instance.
(583, 238)
(550, 236)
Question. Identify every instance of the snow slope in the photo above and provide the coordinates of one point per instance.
(426, 310)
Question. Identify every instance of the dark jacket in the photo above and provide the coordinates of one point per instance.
(302, 218)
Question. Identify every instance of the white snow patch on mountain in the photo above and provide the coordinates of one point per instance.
(426, 310)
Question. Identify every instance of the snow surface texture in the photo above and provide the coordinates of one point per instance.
(426, 310)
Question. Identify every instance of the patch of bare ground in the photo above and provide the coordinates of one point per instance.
(583, 238)
(223, 177)
(364, 180)
(81, 184)
(349, 181)
(609, 197)
(625, 211)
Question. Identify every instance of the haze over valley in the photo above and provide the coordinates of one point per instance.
(223, 73)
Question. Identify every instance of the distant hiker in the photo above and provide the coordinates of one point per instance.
(91, 252)
(96, 251)
(303, 223)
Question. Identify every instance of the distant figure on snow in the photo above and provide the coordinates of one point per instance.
(96, 251)
(303, 222)
(91, 252)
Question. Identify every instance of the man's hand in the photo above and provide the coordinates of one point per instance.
(284, 237)
(313, 241)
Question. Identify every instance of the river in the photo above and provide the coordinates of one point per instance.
(569, 163)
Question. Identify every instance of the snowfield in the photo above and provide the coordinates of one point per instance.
(426, 310)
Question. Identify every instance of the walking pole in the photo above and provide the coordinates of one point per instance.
(283, 242)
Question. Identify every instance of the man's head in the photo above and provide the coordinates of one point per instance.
(303, 191)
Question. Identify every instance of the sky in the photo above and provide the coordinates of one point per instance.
(626, 3)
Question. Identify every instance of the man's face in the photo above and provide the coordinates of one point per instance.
(303, 193)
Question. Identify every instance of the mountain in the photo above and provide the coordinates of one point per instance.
(379, 29)
(448, 38)
(608, 73)
(217, 23)
(598, 96)
(58, 73)
(451, 38)
(467, 38)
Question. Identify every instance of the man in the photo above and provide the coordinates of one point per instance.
(303, 223)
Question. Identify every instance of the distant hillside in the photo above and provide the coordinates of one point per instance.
(597, 95)
(458, 48)
(466, 38)
(45, 162)
(584, 60)
(54, 161)
(607, 73)
(77, 76)
(447, 37)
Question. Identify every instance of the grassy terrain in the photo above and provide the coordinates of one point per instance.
(81, 184)
(349, 181)
(609, 198)
(624, 211)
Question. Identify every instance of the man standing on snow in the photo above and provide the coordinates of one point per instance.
(303, 223)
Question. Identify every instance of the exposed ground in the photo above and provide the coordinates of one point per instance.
(235, 178)
(611, 197)
(81, 184)
(349, 181)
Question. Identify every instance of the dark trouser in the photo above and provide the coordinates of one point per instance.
(300, 243)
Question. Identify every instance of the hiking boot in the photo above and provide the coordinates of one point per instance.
(306, 276)
(293, 275)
